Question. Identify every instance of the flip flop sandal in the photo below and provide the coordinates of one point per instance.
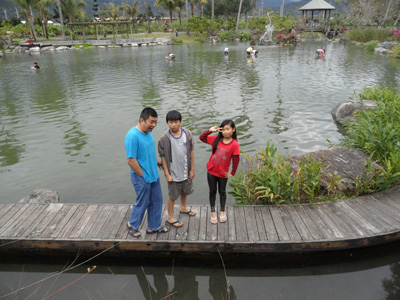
(189, 212)
(174, 224)
(133, 231)
(162, 230)
(223, 219)
(214, 220)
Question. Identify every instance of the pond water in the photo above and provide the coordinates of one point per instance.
(62, 127)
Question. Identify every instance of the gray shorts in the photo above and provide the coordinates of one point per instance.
(177, 188)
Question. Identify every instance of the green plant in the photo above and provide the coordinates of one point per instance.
(396, 52)
(270, 179)
(177, 40)
(365, 35)
(371, 45)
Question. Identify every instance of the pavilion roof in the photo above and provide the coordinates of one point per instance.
(317, 5)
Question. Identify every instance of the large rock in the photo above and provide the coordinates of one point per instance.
(41, 196)
(346, 110)
(339, 161)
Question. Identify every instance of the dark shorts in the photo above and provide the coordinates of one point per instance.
(177, 188)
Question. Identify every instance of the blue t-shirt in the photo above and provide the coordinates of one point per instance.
(141, 146)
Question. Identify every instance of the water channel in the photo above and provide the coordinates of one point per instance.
(62, 127)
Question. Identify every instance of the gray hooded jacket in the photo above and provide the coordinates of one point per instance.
(164, 147)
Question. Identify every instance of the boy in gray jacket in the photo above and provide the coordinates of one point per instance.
(176, 151)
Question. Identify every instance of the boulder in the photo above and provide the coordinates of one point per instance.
(48, 48)
(343, 162)
(41, 196)
(381, 50)
(34, 49)
(62, 48)
(345, 111)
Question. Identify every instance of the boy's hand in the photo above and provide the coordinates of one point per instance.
(191, 174)
(159, 164)
(169, 178)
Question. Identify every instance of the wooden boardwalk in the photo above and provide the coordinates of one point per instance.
(347, 224)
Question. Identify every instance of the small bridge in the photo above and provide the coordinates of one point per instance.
(92, 228)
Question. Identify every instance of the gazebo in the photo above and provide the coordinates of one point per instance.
(316, 5)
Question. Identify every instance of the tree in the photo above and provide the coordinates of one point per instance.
(238, 17)
(169, 5)
(201, 3)
(132, 12)
(43, 14)
(147, 16)
(72, 9)
(60, 14)
(111, 10)
(254, 7)
(179, 5)
(26, 5)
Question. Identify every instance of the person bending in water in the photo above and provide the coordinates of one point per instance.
(249, 50)
(171, 56)
(321, 52)
(226, 51)
(225, 148)
(35, 65)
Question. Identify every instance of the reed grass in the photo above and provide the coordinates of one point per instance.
(368, 34)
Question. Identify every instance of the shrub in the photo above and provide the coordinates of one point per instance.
(269, 179)
(365, 35)
(177, 40)
(371, 45)
(396, 51)
(377, 132)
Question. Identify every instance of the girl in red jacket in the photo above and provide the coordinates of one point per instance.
(225, 148)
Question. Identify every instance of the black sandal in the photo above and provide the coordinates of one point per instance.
(162, 230)
(133, 231)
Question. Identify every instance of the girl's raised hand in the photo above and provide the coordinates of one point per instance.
(214, 129)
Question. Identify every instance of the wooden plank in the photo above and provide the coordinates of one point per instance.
(298, 222)
(30, 222)
(163, 219)
(279, 224)
(355, 215)
(212, 229)
(69, 226)
(173, 231)
(122, 232)
(222, 230)
(251, 224)
(92, 220)
(5, 208)
(204, 220)
(64, 221)
(16, 211)
(349, 220)
(231, 224)
(59, 214)
(387, 212)
(309, 223)
(341, 224)
(51, 211)
(289, 224)
(18, 219)
(241, 230)
(114, 223)
(322, 227)
(182, 232)
(327, 219)
(368, 215)
(99, 223)
(194, 225)
(260, 224)
(390, 199)
(272, 234)
(83, 221)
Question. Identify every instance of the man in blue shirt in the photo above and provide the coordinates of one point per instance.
(142, 160)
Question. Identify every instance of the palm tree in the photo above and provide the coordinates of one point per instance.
(282, 7)
(43, 14)
(169, 5)
(201, 3)
(238, 17)
(61, 18)
(132, 12)
(147, 16)
(72, 9)
(179, 5)
(111, 10)
(26, 5)
(254, 7)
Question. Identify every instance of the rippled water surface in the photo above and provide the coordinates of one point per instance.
(62, 127)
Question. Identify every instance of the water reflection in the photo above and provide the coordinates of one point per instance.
(392, 285)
